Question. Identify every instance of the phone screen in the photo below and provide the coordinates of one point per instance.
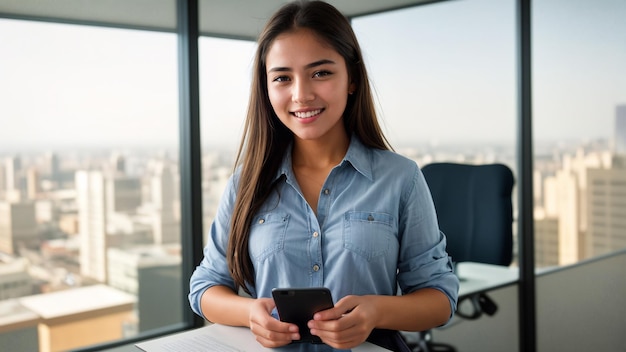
(298, 305)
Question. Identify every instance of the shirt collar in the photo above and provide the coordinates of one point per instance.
(358, 155)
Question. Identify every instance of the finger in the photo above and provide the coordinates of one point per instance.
(344, 306)
(272, 343)
(332, 327)
(346, 339)
(338, 340)
(281, 334)
(334, 313)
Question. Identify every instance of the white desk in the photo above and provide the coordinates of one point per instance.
(220, 338)
(478, 277)
(474, 278)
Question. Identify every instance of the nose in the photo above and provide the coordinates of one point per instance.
(302, 91)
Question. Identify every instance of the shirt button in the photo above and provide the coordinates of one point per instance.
(316, 267)
(261, 221)
(315, 234)
(326, 191)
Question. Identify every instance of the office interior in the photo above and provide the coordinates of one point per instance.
(565, 298)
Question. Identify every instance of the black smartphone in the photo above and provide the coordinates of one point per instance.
(298, 305)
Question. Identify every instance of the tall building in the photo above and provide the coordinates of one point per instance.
(564, 210)
(606, 211)
(18, 226)
(92, 217)
(546, 217)
(118, 163)
(3, 177)
(123, 193)
(568, 219)
(620, 130)
(32, 183)
(142, 271)
(166, 225)
(53, 168)
(546, 242)
(12, 169)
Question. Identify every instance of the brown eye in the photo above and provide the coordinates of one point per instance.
(320, 74)
(281, 79)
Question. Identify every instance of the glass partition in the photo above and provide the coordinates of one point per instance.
(445, 77)
(89, 200)
(225, 74)
(579, 120)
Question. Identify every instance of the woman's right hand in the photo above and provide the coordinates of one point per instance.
(269, 331)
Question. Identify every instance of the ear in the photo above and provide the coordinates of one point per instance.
(351, 88)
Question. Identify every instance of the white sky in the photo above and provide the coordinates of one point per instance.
(443, 72)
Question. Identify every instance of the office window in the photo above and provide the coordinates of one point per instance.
(444, 76)
(89, 189)
(225, 73)
(579, 121)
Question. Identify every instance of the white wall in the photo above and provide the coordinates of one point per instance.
(579, 308)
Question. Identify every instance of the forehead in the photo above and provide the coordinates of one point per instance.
(299, 47)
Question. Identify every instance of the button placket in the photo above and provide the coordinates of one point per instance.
(316, 258)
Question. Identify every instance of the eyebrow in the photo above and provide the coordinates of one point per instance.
(308, 66)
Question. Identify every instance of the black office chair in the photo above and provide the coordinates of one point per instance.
(475, 212)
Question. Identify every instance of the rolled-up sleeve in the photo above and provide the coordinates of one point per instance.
(213, 269)
(424, 262)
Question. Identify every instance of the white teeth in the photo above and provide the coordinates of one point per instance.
(306, 114)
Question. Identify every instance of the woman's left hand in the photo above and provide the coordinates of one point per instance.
(346, 325)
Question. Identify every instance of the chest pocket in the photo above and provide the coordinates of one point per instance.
(267, 235)
(369, 234)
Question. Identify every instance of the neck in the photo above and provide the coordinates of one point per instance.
(320, 153)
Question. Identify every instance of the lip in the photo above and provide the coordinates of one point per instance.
(307, 115)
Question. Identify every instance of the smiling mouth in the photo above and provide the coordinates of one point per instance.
(307, 114)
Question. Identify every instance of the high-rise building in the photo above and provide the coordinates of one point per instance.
(12, 169)
(546, 242)
(166, 226)
(606, 210)
(118, 163)
(565, 206)
(32, 183)
(568, 220)
(142, 271)
(620, 130)
(92, 217)
(123, 193)
(53, 168)
(3, 182)
(18, 226)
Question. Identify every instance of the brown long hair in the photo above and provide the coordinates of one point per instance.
(265, 139)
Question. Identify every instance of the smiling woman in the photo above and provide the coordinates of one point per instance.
(318, 194)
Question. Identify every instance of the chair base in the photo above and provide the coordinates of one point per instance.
(425, 344)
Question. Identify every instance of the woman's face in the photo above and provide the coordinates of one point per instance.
(308, 84)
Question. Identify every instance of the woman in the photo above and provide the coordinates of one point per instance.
(318, 198)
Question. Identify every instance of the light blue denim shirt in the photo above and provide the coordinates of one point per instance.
(375, 230)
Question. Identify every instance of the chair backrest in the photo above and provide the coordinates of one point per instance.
(474, 210)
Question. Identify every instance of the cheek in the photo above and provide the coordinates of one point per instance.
(276, 98)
